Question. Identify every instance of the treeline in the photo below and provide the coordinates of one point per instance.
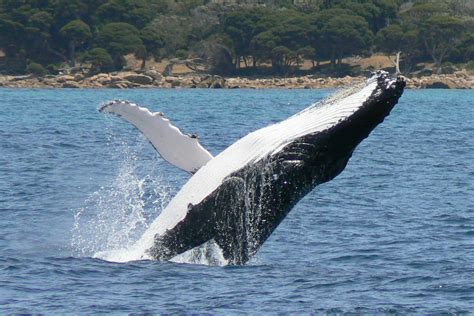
(41, 36)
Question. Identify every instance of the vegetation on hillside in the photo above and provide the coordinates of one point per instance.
(237, 37)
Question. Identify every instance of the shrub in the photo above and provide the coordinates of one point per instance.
(470, 66)
(53, 69)
(36, 69)
(100, 60)
(181, 54)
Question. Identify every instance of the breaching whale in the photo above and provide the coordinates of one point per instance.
(237, 198)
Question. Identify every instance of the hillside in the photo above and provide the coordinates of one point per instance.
(250, 38)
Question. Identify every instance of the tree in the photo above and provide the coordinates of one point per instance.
(307, 52)
(204, 22)
(242, 26)
(120, 39)
(216, 56)
(281, 38)
(344, 34)
(174, 31)
(100, 60)
(441, 34)
(367, 10)
(263, 45)
(10, 35)
(464, 52)
(42, 20)
(394, 40)
(76, 32)
(152, 42)
(135, 12)
(423, 11)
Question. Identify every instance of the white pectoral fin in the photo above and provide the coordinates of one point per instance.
(181, 150)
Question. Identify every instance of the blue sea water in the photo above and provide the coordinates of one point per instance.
(394, 233)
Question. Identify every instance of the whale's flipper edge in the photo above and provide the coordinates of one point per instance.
(181, 150)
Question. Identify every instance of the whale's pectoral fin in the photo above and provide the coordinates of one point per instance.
(182, 150)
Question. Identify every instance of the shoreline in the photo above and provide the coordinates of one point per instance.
(154, 79)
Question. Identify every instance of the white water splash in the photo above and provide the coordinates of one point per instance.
(208, 253)
(115, 216)
(118, 213)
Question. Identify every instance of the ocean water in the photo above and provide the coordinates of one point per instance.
(394, 233)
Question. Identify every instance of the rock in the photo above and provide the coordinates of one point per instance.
(65, 78)
(166, 85)
(115, 78)
(218, 83)
(424, 72)
(449, 69)
(50, 82)
(120, 84)
(205, 82)
(462, 74)
(71, 84)
(155, 74)
(139, 79)
(171, 79)
(102, 79)
(176, 83)
(78, 77)
(20, 78)
(102, 75)
(436, 85)
(188, 83)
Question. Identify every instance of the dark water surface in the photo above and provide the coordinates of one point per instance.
(394, 233)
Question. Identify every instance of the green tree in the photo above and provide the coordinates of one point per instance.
(135, 12)
(290, 37)
(263, 45)
(100, 60)
(394, 40)
(423, 11)
(242, 26)
(464, 52)
(76, 32)
(67, 10)
(343, 35)
(41, 20)
(441, 34)
(12, 32)
(120, 39)
(368, 10)
(152, 42)
(174, 31)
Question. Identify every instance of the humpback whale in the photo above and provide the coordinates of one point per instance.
(237, 198)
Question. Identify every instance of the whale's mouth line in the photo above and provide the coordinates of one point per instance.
(234, 201)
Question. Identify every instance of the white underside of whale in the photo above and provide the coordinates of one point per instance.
(249, 149)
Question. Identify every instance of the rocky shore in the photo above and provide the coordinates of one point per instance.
(154, 79)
